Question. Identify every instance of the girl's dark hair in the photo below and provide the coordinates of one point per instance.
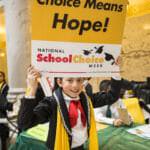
(55, 83)
(3, 74)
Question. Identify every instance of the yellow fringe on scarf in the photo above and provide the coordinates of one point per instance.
(62, 139)
(93, 138)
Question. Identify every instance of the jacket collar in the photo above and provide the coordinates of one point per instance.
(64, 111)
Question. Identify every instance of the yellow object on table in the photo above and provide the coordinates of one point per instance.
(134, 109)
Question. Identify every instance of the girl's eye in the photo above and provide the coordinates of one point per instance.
(77, 80)
(70, 80)
(80, 80)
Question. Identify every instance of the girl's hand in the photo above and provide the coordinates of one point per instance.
(118, 122)
(32, 82)
(118, 61)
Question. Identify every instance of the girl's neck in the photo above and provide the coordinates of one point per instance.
(69, 97)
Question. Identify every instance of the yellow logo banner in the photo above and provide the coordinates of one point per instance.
(77, 37)
(94, 21)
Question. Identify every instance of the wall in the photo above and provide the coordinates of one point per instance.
(135, 51)
(136, 48)
(3, 61)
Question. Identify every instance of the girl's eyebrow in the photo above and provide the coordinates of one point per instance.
(69, 78)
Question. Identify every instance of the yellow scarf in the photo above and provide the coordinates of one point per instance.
(62, 139)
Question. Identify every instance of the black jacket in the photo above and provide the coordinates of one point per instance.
(3, 100)
(4, 104)
(140, 89)
(4, 90)
(4, 130)
(31, 113)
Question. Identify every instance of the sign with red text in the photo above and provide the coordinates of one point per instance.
(77, 37)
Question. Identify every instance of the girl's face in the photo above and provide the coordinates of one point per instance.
(71, 86)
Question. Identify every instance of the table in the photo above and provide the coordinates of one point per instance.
(110, 138)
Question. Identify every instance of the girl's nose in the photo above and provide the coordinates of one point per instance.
(76, 84)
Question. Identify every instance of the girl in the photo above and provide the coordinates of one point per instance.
(3, 85)
(69, 111)
(4, 130)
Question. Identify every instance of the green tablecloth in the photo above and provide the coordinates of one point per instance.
(119, 139)
(111, 138)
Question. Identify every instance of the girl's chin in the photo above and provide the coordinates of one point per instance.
(73, 95)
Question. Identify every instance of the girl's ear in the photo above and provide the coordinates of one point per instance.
(59, 82)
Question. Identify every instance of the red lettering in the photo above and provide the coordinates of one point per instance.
(58, 59)
(45, 58)
(70, 58)
(50, 58)
(65, 59)
(39, 57)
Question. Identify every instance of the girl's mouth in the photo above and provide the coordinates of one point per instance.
(75, 91)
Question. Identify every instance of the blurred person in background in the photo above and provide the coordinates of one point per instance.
(3, 85)
(107, 114)
(4, 130)
(130, 90)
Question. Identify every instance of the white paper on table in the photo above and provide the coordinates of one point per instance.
(142, 131)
